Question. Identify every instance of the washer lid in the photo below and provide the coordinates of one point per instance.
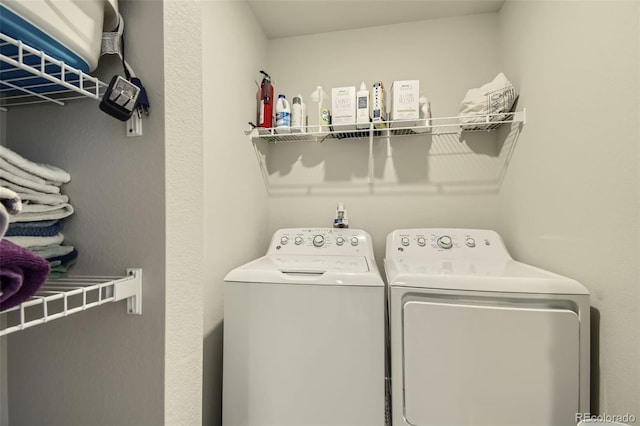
(500, 276)
(304, 269)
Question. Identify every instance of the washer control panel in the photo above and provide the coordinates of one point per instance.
(323, 241)
(446, 243)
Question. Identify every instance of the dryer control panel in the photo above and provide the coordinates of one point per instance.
(446, 243)
(321, 241)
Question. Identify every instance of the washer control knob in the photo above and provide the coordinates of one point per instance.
(298, 240)
(284, 240)
(340, 241)
(404, 241)
(318, 240)
(354, 241)
(470, 242)
(445, 242)
(422, 242)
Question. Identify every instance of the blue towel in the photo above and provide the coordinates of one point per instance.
(44, 228)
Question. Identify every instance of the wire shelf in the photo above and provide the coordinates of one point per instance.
(29, 76)
(66, 296)
(434, 126)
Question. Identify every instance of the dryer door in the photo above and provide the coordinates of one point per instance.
(468, 364)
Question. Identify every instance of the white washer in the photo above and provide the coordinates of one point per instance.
(480, 339)
(304, 333)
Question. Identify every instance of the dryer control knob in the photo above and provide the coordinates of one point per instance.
(422, 242)
(339, 241)
(470, 242)
(318, 240)
(284, 240)
(354, 241)
(445, 242)
(404, 241)
(298, 241)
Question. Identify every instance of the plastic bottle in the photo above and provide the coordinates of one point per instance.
(297, 115)
(320, 114)
(425, 116)
(362, 104)
(283, 115)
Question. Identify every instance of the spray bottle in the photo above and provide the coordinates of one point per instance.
(265, 102)
(341, 220)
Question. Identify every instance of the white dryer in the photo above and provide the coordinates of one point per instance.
(304, 333)
(480, 339)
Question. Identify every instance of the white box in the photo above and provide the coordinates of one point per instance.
(343, 108)
(405, 102)
(378, 105)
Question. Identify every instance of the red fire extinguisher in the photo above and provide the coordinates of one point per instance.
(265, 102)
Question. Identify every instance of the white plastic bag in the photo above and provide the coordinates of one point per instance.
(495, 97)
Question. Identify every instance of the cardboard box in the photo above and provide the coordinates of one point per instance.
(343, 108)
(405, 102)
(378, 105)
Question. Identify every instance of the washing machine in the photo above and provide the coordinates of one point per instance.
(304, 330)
(480, 339)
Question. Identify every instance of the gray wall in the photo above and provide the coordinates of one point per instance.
(235, 202)
(419, 181)
(570, 198)
(101, 367)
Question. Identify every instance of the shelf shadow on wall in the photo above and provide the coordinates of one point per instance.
(444, 163)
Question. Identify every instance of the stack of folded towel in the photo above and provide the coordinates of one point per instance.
(22, 272)
(38, 226)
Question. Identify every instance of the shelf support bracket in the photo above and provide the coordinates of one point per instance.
(131, 289)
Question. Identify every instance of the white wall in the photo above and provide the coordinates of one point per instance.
(569, 202)
(184, 201)
(419, 181)
(235, 205)
(101, 367)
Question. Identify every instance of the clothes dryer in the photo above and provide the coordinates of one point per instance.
(304, 333)
(480, 339)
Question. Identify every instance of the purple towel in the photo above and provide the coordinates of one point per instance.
(22, 273)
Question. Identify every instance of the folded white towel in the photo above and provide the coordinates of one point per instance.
(35, 212)
(50, 199)
(45, 171)
(26, 183)
(5, 165)
(27, 242)
(10, 200)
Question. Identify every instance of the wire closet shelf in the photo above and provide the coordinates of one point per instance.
(63, 297)
(29, 76)
(433, 126)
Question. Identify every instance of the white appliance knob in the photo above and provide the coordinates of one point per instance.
(470, 242)
(354, 241)
(445, 242)
(298, 241)
(422, 242)
(284, 240)
(339, 241)
(404, 241)
(318, 240)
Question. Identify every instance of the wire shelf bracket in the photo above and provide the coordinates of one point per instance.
(66, 296)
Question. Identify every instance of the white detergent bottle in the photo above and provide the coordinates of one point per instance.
(362, 105)
(320, 114)
(297, 115)
(283, 115)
